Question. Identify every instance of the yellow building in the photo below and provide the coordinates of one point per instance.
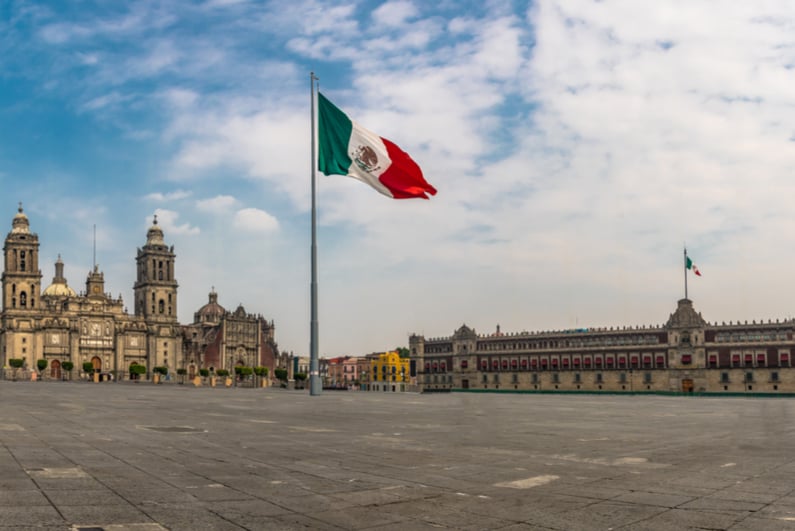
(389, 372)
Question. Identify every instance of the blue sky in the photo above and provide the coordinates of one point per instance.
(576, 147)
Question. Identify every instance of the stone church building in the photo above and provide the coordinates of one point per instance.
(58, 324)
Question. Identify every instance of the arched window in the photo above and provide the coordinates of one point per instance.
(22, 260)
(161, 306)
(160, 275)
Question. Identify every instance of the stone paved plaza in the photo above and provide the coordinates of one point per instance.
(145, 457)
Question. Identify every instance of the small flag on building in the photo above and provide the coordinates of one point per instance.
(346, 148)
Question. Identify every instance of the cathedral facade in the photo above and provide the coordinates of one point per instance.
(57, 324)
(685, 355)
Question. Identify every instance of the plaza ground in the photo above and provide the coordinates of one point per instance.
(120, 456)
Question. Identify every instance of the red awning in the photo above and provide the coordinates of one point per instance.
(565, 362)
(598, 361)
(713, 359)
(686, 358)
(533, 362)
(587, 362)
(609, 361)
(760, 357)
(576, 361)
(749, 357)
(784, 357)
(736, 358)
(660, 360)
(524, 363)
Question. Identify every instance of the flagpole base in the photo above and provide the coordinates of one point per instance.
(315, 385)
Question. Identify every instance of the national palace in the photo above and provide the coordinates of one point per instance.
(687, 355)
(57, 324)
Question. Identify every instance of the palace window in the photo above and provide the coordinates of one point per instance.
(599, 377)
(687, 359)
(724, 377)
(647, 377)
(622, 378)
(577, 378)
(23, 299)
(555, 378)
(774, 376)
(464, 364)
(749, 377)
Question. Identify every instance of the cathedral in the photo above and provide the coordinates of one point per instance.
(57, 324)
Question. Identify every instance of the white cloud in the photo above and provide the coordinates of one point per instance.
(175, 195)
(395, 13)
(167, 219)
(255, 220)
(217, 204)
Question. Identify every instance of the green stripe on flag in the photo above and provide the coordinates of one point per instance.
(334, 132)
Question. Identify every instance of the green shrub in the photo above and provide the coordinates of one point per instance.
(261, 371)
(300, 376)
(204, 372)
(281, 374)
(244, 371)
(41, 364)
(88, 366)
(137, 369)
(16, 363)
(182, 371)
(160, 370)
(222, 372)
(68, 365)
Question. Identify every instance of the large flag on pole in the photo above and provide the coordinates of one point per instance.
(690, 265)
(346, 148)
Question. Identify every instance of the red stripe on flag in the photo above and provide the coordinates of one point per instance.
(404, 177)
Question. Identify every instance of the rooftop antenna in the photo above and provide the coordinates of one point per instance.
(95, 246)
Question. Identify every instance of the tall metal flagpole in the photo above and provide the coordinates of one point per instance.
(315, 385)
(685, 272)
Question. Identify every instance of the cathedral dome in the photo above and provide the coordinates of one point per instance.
(58, 288)
(212, 312)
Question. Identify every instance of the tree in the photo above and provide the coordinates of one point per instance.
(261, 371)
(136, 370)
(280, 374)
(204, 373)
(41, 364)
(160, 370)
(16, 363)
(88, 367)
(68, 366)
(403, 352)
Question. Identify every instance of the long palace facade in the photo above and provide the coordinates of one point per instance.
(687, 355)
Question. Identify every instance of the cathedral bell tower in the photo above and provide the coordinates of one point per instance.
(156, 288)
(21, 275)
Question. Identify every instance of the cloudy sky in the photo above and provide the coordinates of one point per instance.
(576, 146)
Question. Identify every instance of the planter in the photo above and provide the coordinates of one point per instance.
(96, 377)
(156, 378)
(263, 383)
(212, 381)
(228, 382)
(197, 381)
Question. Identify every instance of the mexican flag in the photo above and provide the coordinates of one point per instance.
(690, 265)
(346, 148)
